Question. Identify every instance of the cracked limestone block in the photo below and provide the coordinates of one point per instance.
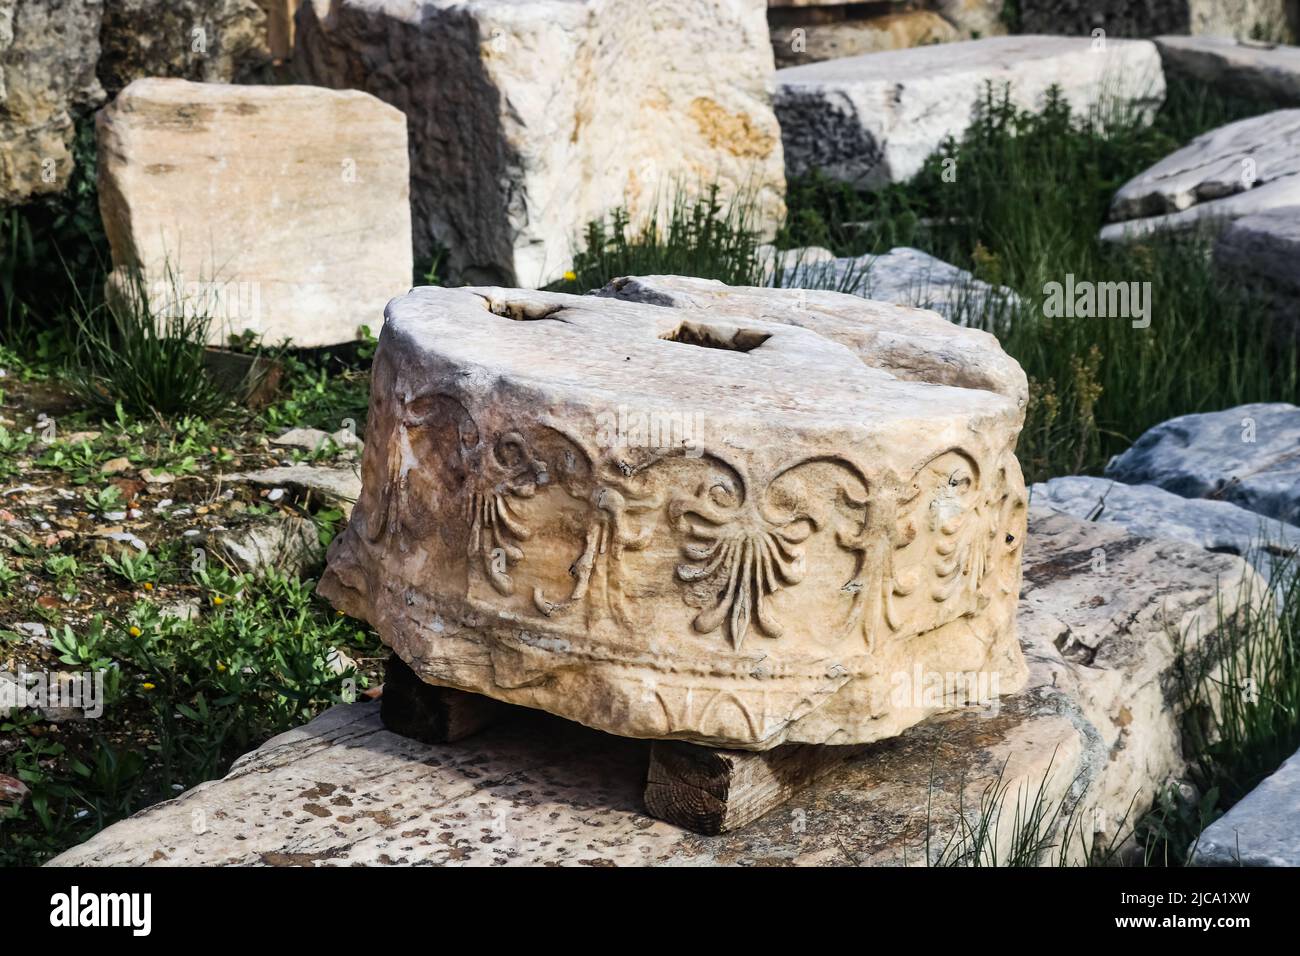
(730, 521)
(874, 119)
(277, 209)
(529, 119)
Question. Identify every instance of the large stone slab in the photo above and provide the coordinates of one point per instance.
(48, 51)
(280, 209)
(1264, 71)
(1246, 167)
(1263, 252)
(873, 119)
(1248, 455)
(1096, 727)
(530, 119)
(1261, 830)
(708, 523)
(1152, 512)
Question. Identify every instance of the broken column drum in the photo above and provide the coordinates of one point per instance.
(737, 517)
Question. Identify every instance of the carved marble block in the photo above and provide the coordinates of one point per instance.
(739, 517)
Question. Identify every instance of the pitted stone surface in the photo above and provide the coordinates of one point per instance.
(722, 522)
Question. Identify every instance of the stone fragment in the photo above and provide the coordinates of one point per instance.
(902, 276)
(282, 210)
(1151, 512)
(873, 119)
(1246, 167)
(531, 119)
(1263, 829)
(1262, 251)
(337, 486)
(1248, 455)
(1263, 71)
(13, 792)
(287, 544)
(315, 439)
(212, 41)
(697, 523)
(48, 51)
(1097, 726)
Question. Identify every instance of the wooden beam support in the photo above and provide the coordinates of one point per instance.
(715, 791)
(428, 713)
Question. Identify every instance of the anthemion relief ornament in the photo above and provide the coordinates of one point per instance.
(825, 500)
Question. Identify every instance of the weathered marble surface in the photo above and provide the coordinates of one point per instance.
(1153, 512)
(530, 119)
(1248, 455)
(714, 522)
(1269, 72)
(1262, 830)
(1098, 720)
(916, 345)
(280, 209)
(1246, 167)
(873, 119)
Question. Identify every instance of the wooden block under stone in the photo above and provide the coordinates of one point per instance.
(715, 791)
(431, 714)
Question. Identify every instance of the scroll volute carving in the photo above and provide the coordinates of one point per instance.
(940, 546)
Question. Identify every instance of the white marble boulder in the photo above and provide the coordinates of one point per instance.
(1243, 168)
(873, 119)
(1149, 511)
(280, 210)
(530, 119)
(1248, 455)
(717, 521)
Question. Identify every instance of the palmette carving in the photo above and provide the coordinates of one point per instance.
(742, 548)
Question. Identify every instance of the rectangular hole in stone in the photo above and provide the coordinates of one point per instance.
(708, 337)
